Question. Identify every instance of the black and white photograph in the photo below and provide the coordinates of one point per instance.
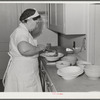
(50, 47)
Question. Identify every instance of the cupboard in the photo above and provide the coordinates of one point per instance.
(68, 18)
(47, 85)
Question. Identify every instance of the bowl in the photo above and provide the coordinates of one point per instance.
(62, 64)
(72, 59)
(70, 72)
(53, 58)
(92, 71)
(82, 63)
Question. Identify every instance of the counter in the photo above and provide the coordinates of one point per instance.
(79, 84)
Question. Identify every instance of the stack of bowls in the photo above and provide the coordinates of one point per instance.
(82, 63)
(69, 73)
(62, 64)
(70, 58)
(92, 71)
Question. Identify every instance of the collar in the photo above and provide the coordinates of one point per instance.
(23, 26)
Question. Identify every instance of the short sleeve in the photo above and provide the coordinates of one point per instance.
(21, 35)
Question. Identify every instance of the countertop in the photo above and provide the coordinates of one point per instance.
(79, 84)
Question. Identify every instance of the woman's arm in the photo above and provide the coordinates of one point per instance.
(27, 49)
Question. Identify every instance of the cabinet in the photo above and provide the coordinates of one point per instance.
(68, 18)
(56, 17)
(47, 85)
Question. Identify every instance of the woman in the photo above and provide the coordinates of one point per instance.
(22, 74)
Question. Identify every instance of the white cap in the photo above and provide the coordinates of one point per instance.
(35, 15)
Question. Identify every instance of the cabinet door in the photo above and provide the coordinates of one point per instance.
(69, 18)
(47, 15)
(56, 17)
(52, 17)
(75, 18)
(97, 34)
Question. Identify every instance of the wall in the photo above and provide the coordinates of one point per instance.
(67, 42)
(47, 35)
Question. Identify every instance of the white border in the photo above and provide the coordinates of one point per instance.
(52, 95)
(49, 1)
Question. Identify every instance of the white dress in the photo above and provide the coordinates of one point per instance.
(22, 73)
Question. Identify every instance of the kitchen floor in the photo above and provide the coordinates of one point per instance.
(1, 86)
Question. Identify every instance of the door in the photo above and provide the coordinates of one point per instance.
(8, 22)
(97, 34)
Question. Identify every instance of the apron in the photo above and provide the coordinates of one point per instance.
(22, 73)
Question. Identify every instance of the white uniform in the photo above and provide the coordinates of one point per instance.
(22, 74)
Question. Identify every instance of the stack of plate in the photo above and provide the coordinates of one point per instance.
(69, 73)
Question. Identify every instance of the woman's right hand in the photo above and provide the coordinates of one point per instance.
(42, 47)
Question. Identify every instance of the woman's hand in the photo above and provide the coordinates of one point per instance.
(41, 47)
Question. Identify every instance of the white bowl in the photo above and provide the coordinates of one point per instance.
(92, 71)
(69, 73)
(70, 70)
(72, 59)
(62, 64)
(81, 62)
(54, 58)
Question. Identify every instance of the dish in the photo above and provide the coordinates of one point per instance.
(52, 58)
(92, 71)
(69, 74)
